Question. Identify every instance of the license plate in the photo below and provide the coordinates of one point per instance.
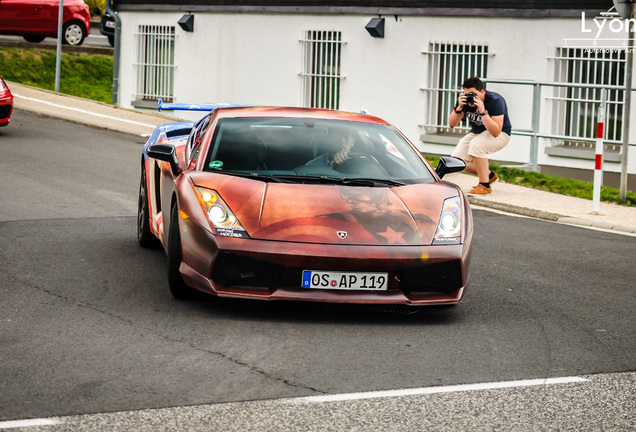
(345, 280)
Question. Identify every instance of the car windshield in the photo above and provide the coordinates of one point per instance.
(315, 151)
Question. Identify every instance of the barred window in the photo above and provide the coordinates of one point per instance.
(574, 109)
(154, 66)
(448, 66)
(322, 52)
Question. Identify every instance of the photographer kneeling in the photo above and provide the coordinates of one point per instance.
(490, 130)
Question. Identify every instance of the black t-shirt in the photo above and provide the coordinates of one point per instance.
(495, 104)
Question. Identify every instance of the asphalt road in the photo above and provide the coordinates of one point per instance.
(87, 324)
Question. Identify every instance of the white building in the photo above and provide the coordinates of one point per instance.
(320, 53)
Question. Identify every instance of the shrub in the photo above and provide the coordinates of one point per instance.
(96, 7)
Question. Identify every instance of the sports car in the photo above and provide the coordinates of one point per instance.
(302, 204)
(6, 103)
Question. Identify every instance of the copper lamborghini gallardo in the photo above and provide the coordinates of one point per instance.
(302, 204)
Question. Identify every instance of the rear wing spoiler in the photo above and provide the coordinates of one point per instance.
(195, 107)
(209, 106)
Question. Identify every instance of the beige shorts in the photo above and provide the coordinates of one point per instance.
(479, 145)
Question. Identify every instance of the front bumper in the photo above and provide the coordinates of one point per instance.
(269, 270)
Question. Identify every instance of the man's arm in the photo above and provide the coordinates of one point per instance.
(492, 124)
(457, 115)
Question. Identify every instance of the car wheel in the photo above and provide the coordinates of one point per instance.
(178, 287)
(73, 33)
(111, 40)
(34, 39)
(144, 236)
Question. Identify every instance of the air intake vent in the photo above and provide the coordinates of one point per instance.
(444, 277)
(237, 270)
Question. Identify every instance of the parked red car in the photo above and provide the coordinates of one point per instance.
(37, 19)
(6, 103)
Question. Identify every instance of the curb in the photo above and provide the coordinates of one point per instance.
(82, 49)
(523, 211)
(553, 217)
(602, 225)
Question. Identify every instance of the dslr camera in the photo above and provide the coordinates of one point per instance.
(470, 97)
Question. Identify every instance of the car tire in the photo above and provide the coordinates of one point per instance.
(177, 285)
(145, 237)
(33, 39)
(111, 41)
(73, 33)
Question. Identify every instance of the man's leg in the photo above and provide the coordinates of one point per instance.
(480, 148)
(479, 166)
(461, 150)
(471, 168)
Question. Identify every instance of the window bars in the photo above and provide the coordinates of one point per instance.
(322, 51)
(449, 64)
(154, 67)
(574, 109)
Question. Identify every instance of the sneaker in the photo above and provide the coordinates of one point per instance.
(480, 189)
(494, 178)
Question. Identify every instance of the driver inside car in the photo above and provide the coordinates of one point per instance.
(344, 139)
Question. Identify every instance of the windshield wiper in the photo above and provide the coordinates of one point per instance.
(313, 179)
(368, 181)
(283, 178)
(288, 178)
(256, 176)
(349, 181)
(355, 181)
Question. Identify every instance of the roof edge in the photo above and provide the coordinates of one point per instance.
(329, 10)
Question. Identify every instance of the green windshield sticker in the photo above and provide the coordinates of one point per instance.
(216, 164)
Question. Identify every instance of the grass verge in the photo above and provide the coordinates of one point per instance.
(88, 76)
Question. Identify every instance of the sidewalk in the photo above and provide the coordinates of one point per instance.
(505, 197)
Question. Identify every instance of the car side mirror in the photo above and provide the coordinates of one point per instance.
(449, 164)
(166, 153)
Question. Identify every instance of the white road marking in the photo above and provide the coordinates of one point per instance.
(347, 397)
(105, 116)
(440, 389)
(27, 423)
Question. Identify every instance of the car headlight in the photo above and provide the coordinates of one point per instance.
(449, 228)
(225, 223)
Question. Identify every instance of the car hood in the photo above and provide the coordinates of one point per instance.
(333, 214)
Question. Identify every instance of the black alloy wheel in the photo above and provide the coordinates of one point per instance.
(177, 285)
(144, 236)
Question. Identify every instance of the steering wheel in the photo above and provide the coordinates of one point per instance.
(362, 164)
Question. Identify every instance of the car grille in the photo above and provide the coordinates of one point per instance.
(443, 277)
(4, 111)
(237, 270)
(232, 270)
